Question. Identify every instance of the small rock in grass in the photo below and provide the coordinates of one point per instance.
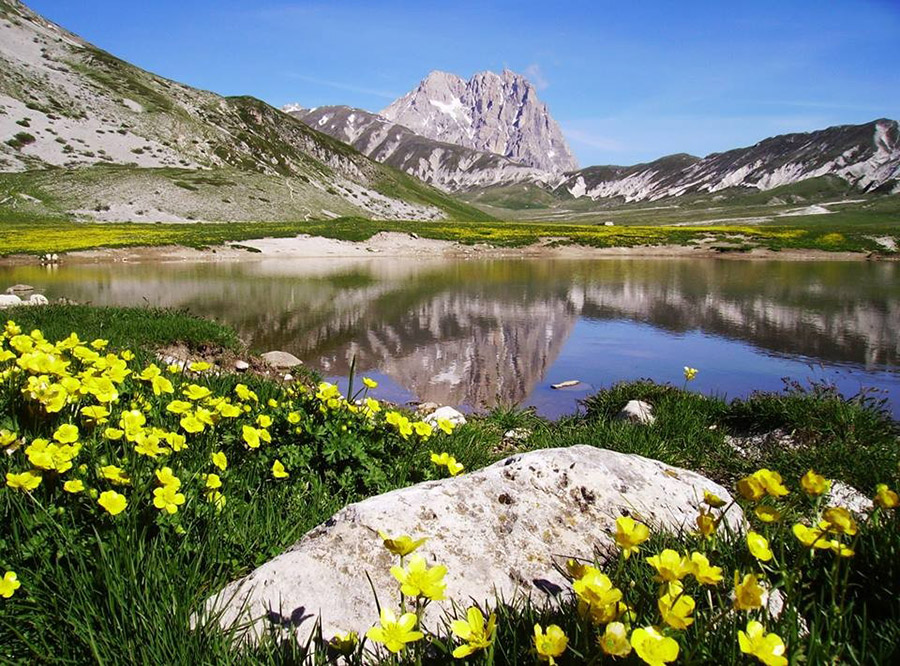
(455, 417)
(850, 498)
(241, 366)
(281, 360)
(425, 408)
(37, 299)
(637, 411)
(289, 377)
(9, 300)
(517, 435)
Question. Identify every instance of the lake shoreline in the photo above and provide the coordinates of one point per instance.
(404, 245)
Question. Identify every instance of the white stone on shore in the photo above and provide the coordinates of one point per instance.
(281, 360)
(454, 416)
(500, 531)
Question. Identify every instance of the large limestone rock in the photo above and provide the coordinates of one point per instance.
(499, 531)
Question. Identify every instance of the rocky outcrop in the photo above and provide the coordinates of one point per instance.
(496, 113)
(447, 166)
(865, 156)
(500, 531)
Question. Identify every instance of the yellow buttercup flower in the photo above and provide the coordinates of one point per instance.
(179, 407)
(477, 634)
(195, 392)
(885, 497)
(113, 434)
(66, 434)
(446, 460)
(115, 474)
(669, 565)
(751, 489)
(370, 383)
(168, 499)
(418, 580)
(676, 610)
(423, 429)
(706, 524)
(73, 486)
(344, 644)
(212, 481)
(630, 534)
(199, 366)
(759, 546)
(811, 537)
(838, 519)
(840, 549)
(703, 571)
(250, 435)
(219, 460)
(401, 545)
(747, 592)
(26, 481)
(551, 644)
(814, 484)
(690, 373)
(713, 500)
(767, 514)
(278, 470)
(263, 420)
(596, 589)
(652, 647)
(446, 425)
(614, 640)
(771, 481)
(166, 477)
(768, 648)
(394, 634)
(9, 584)
(245, 393)
(113, 502)
(192, 424)
(96, 413)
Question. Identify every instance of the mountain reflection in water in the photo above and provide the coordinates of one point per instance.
(480, 333)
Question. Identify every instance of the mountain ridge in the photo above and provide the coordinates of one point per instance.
(131, 145)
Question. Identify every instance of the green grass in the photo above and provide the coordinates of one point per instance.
(125, 327)
(115, 590)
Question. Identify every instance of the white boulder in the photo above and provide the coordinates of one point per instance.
(281, 360)
(9, 300)
(500, 531)
(455, 417)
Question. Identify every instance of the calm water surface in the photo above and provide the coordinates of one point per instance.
(479, 333)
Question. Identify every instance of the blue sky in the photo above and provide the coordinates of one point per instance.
(627, 81)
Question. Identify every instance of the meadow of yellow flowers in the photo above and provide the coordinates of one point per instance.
(106, 447)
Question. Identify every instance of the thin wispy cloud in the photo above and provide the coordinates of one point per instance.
(534, 74)
(593, 140)
(339, 85)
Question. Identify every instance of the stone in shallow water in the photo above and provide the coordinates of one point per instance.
(281, 359)
(500, 531)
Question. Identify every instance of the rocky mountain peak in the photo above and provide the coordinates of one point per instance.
(496, 113)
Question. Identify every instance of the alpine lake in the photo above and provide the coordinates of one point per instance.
(479, 333)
